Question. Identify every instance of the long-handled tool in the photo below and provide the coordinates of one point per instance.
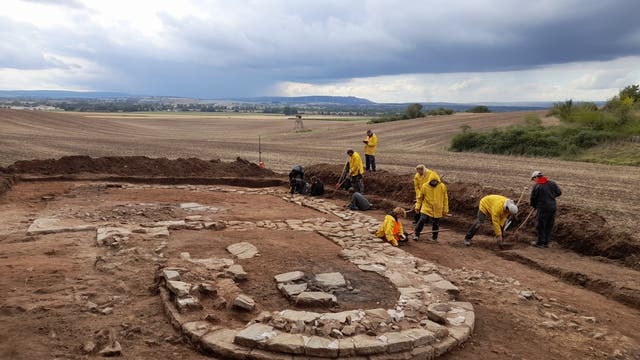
(343, 176)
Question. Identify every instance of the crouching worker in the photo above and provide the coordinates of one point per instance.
(391, 228)
(432, 204)
(296, 180)
(497, 208)
(317, 187)
(359, 202)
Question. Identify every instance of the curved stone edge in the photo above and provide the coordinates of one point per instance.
(406, 344)
(415, 343)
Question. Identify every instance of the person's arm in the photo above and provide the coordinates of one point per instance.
(534, 196)
(445, 210)
(373, 141)
(558, 191)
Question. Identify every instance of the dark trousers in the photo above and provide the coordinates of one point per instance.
(370, 162)
(358, 183)
(476, 225)
(425, 219)
(544, 226)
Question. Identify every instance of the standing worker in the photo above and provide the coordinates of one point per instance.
(391, 228)
(422, 176)
(432, 205)
(370, 144)
(497, 208)
(543, 199)
(355, 171)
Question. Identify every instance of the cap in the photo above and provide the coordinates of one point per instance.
(350, 151)
(511, 206)
(535, 174)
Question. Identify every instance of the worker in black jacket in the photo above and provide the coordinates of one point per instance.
(543, 199)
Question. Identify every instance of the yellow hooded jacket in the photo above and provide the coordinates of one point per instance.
(419, 180)
(433, 201)
(391, 230)
(370, 146)
(493, 207)
(355, 164)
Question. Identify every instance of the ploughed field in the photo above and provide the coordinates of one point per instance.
(65, 292)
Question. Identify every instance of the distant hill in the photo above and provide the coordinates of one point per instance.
(334, 100)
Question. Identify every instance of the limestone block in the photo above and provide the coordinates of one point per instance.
(215, 264)
(286, 343)
(420, 336)
(171, 224)
(322, 347)
(188, 303)
(179, 288)
(242, 250)
(291, 290)
(295, 315)
(376, 268)
(439, 330)
(255, 335)
(244, 302)
(236, 272)
(220, 342)
(315, 298)
(195, 329)
(160, 232)
(53, 225)
(289, 277)
(460, 333)
(170, 275)
(423, 353)
(332, 280)
(257, 354)
(368, 345)
(447, 287)
(444, 345)
(397, 342)
(433, 277)
(346, 348)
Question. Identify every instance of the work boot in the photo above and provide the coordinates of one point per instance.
(467, 242)
(416, 238)
(434, 240)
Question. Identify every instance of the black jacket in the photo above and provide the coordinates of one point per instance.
(543, 196)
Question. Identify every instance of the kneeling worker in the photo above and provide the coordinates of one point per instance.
(391, 228)
(496, 207)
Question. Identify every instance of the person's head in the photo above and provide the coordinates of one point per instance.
(510, 207)
(314, 179)
(350, 152)
(536, 174)
(369, 132)
(399, 212)
(421, 169)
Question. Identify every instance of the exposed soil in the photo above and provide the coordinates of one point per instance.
(580, 230)
(138, 166)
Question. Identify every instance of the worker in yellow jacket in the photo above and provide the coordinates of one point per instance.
(355, 171)
(370, 144)
(432, 205)
(422, 176)
(497, 208)
(391, 229)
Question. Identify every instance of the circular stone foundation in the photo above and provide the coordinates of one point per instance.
(425, 320)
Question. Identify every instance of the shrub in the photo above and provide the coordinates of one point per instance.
(479, 109)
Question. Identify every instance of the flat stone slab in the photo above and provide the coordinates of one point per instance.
(179, 288)
(242, 250)
(217, 264)
(54, 226)
(170, 224)
(286, 343)
(159, 232)
(291, 290)
(331, 280)
(111, 235)
(254, 335)
(295, 315)
(170, 275)
(236, 272)
(322, 347)
(289, 277)
(244, 302)
(188, 303)
(313, 298)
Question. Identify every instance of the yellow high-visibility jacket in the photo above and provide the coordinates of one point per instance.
(433, 201)
(391, 230)
(370, 146)
(419, 180)
(355, 164)
(493, 207)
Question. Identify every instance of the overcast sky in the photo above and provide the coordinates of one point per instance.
(385, 51)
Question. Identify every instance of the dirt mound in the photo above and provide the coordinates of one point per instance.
(582, 231)
(6, 182)
(139, 166)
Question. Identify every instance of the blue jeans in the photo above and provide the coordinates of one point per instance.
(370, 162)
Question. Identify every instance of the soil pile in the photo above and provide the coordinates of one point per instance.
(139, 166)
(582, 231)
(6, 182)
